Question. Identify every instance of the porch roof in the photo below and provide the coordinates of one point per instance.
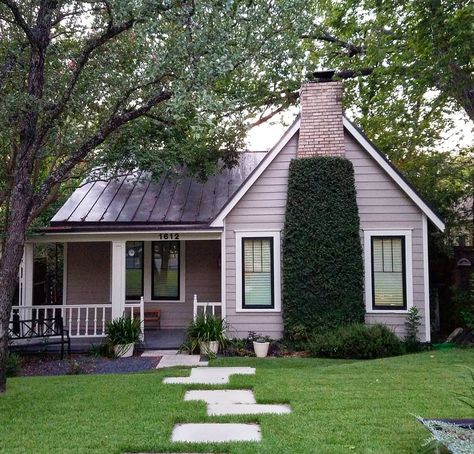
(136, 202)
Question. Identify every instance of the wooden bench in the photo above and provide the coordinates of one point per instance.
(153, 315)
(47, 331)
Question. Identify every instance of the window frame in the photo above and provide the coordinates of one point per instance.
(274, 236)
(406, 237)
(128, 297)
(180, 296)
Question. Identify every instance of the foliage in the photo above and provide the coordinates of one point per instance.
(322, 256)
(356, 341)
(13, 365)
(255, 337)
(123, 330)
(455, 439)
(412, 326)
(104, 349)
(412, 63)
(207, 328)
(74, 368)
(463, 302)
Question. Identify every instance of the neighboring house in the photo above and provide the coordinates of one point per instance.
(183, 245)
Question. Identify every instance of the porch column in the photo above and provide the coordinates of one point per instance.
(118, 278)
(26, 277)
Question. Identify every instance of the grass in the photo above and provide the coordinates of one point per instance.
(338, 407)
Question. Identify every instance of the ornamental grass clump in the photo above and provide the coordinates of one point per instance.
(207, 328)
(123, 331)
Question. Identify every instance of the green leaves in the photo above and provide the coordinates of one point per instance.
(322, 257)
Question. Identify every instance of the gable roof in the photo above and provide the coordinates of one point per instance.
(364, 142)
(135, 201)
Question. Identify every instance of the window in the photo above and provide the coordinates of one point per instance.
(166, 270)
(257, 272)
(388, 271)
(134, 270)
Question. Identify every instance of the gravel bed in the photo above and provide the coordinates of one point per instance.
(81, 364)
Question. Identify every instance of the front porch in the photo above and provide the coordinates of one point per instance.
(89, 280)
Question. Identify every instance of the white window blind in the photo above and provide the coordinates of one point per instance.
(257, 272)
(388, 272)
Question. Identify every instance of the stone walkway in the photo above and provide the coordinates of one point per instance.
(171, 358)
(220, 403)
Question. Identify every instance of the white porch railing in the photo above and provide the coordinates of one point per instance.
(213, 308)
(81, 320)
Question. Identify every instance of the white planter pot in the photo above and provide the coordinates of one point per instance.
(124, 351)
(261, 349)
(207, 348)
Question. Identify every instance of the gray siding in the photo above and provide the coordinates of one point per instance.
(262, 207)
(88, 273)
(382, 205)
(88, 278)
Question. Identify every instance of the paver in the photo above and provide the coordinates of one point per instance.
(222, 396)
(215, 433)
(247, 409)
(210, 375)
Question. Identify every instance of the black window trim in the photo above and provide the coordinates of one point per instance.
(260, 306)
(165, 298)
(134, 298)
(404, 273)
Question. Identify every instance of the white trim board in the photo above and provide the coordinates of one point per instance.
(363, 142)
(426, 280)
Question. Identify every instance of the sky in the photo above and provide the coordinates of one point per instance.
(263, 137)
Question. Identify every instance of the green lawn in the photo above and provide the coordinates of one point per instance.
(338, 407)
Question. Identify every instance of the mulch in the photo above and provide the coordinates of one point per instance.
(83, 364)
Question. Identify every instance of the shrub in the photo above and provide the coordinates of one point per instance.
(356, 341)
(412, 325)
(322, 254)
(13, 365)
(123, 330)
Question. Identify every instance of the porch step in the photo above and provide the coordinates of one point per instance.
(215, 433)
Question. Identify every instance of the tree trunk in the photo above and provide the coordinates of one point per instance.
(9, 265)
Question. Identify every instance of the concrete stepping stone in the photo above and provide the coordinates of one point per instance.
(215, 433)
(181, 360)
(222, 396)
(155, 353)
(247, 409)
(210, 375)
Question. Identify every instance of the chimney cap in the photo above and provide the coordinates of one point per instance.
(325, 75)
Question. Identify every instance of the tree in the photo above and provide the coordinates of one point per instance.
(407, 64)
(114, 85)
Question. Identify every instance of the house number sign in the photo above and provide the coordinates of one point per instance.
(168, 236)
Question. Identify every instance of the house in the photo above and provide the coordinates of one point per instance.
(133, 245)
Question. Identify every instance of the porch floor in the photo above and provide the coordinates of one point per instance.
(163, 339)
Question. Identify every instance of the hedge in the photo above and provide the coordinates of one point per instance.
(322, 254)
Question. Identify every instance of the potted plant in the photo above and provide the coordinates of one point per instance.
(261, 344)
(122, 334)
(209, 332)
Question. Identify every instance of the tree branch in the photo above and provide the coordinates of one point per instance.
(112, 125)
(19, 20)
(351, 48)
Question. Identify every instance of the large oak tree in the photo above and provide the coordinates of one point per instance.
(94, 87)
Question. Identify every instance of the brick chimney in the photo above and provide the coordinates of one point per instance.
(321, 130)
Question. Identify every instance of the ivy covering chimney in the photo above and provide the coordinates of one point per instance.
(321, 129)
